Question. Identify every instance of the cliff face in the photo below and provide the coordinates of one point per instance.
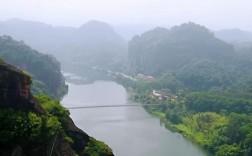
(31, 135)
(15, 90)
(44, 69)
(14, 86)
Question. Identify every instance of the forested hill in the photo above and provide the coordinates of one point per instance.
(44, 69)
(94, 43)
(160, 50)
(203, 85)
(96, 31)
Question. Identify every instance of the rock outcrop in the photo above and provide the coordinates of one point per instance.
(15, 90)
(14, 85)
(15, 95)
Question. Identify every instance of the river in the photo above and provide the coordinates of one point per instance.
(129, 131)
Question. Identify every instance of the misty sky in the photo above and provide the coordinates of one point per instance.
(215, 14)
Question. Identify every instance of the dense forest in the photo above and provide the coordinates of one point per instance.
(204, 86)
(44, 69)
(159, 51)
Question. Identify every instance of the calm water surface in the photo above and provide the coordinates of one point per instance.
(129, 131)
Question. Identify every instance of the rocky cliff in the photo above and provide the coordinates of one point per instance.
(45, 70)
(26, 128)
(15, 89)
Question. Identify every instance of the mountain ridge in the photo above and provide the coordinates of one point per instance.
(94, 39)
(160, 50)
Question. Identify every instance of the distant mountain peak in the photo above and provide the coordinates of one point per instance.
(96, 22)
(189, 25)
(99, 32)
(160, 50)
(191, 28)
(96, 25)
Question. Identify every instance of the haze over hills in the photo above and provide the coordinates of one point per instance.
(193, 78)
(91, 43)
(154, 52)
(234, 35)
(204, 78)
(192, 57)
(241, 40)
(161, 50)
(127, 31)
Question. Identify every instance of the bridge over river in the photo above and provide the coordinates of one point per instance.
(103, 110)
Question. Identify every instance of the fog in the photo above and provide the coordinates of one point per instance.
(188, 62)
(214, 14)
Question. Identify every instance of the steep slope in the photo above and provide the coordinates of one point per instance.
(14, 87)
(160, 50)
(45, 69)
(29, 128)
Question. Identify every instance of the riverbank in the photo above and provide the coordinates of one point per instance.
(168, 124)
(212, 130)
(144, 98)
(127, 130)
(207, 119)
(174, 128)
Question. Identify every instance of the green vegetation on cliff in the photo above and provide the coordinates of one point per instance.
(36, 133)
(37, 126)
(59, 120)
(44, 69)
(96, 148)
